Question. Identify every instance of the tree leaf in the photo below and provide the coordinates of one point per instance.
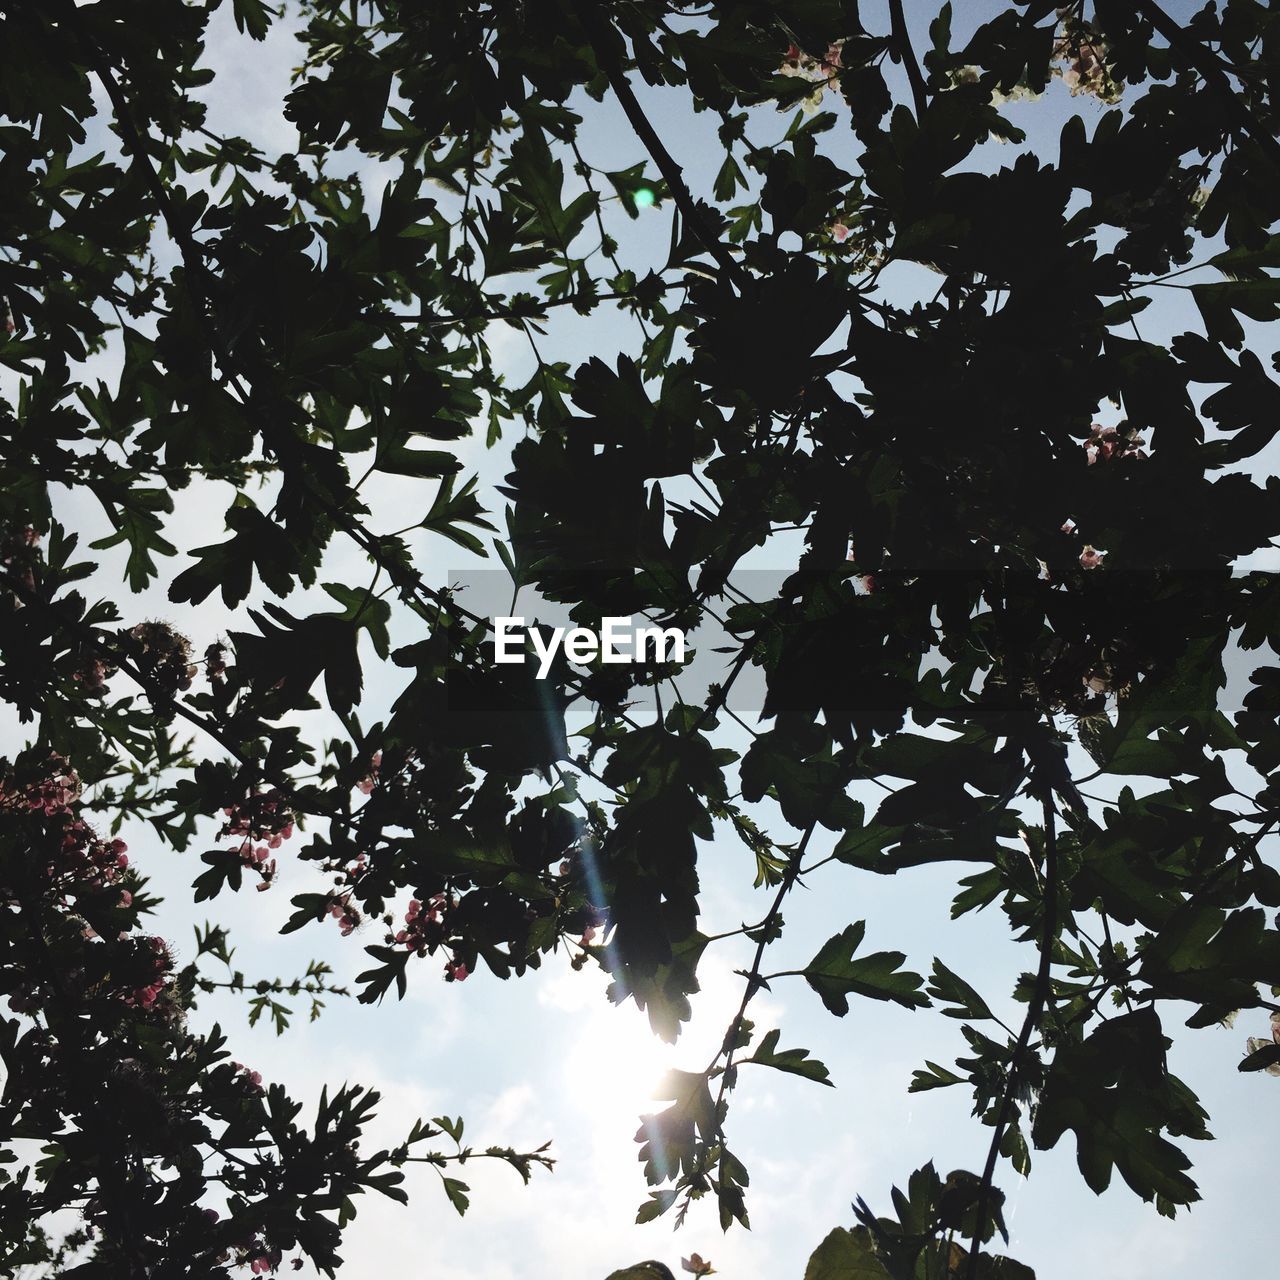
(845, 1255)
(835, 974)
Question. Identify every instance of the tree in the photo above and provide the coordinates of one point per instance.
(992, 585)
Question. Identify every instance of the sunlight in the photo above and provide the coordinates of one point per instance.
(616, 1066)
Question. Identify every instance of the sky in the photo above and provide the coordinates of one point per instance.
(547, 1057)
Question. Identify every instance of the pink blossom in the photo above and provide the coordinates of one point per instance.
(1107, 442)
(839, 232)
(818, 71)
(215, 662)
(1253, 1044)
(1090, 558)
(367, 783)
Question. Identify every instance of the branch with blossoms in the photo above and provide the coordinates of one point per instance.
(101, 1065)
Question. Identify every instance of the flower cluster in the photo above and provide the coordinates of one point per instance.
(1019, 93)
(155, 961)
(262, 823)
(370, 780)
(89, 865)
(249, 1248)
(864, 584)
(422, 927)
(1085, 55)
(18, 554)
(858, 245)
(51, 792)
(93, 674)
(424, 931)
(79, 863)
(822, 72)
(261, 1259)
(348, 917)
(1090, 556)
(970, 74)
(163, 657)
(108, 1060)
(75, 871)
(1105, 443)
(215, 662)
(250, 1079)
(1254, 1044)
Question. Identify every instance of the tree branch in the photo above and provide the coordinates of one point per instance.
(536, 312)
(101, 645)
(905, 54)
(599, 34)
(1035, 1010)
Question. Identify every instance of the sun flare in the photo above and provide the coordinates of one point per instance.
(618, 1066)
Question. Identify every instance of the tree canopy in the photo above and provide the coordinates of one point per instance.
(1018, 538)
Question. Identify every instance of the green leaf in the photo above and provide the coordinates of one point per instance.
(452, 1127)
(421, 464)
(998, 1267)
(457, 1193)
(950, 988)
(449, 511)
(935, 1077)
(656, 1205)
(252, 17)
(1242, 263)
(795, 1061)
(835, 975)
(845, 1255)
(1258, 299)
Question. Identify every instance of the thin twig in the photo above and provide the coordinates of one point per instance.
(1035, 1010)
(600, 35)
